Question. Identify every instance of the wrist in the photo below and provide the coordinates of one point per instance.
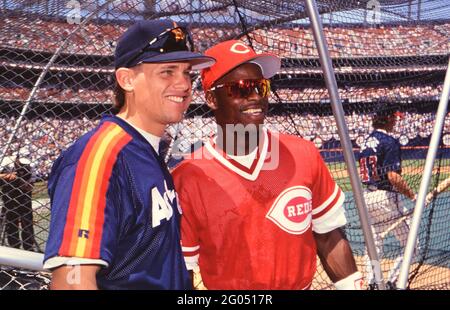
(351, 282)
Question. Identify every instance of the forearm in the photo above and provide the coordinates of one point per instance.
(8, 176)
(400, 184)
(443, 186)
(75, 278)
(335, 254)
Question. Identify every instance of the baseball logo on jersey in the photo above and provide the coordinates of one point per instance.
(291, 211)
(162, 204)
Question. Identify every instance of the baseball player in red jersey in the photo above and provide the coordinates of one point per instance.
(258, 206)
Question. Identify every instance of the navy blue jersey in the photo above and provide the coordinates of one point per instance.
(379, 154)
(113, 203)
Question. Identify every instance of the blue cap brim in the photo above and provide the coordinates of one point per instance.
(197, 60)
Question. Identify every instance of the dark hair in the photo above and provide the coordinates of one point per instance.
(119, 98)
(384, 111)
(380, 121)
(383, 117)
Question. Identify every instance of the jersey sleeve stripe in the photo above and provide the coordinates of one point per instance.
(338, 201)
(190, 248)
(327, 202)
(96, 222)
(67, 246)
(92, 181)
(89, 192)
(190, 254)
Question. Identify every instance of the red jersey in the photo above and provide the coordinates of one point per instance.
(251, 226)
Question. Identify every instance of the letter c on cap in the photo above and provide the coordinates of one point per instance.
(240, 48)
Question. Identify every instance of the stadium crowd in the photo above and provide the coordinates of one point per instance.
(55, 94)
(43, 139)
(352, 94)
(98, 39)
(359, 41)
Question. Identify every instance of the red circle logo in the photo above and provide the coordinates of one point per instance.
(240, 48)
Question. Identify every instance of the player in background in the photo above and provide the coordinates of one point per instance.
(115, 215)
(380, 170)
(258, 206)
(16, 190)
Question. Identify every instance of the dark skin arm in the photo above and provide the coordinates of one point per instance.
(335, 254)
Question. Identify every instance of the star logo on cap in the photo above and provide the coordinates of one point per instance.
(239, 48)
(178, 33)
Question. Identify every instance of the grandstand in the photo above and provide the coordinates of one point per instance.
(401, 59)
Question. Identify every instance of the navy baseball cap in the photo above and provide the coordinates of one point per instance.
(156, 41)
(386, 109)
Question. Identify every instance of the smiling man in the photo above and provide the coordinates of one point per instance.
(115, 215)
(258, 206)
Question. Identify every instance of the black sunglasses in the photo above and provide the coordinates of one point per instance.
(244, 88)
(173, 40)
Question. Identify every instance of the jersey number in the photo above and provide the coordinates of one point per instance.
(364, 164)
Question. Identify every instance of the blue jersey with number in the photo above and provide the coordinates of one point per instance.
(379, 154)
(113, 204)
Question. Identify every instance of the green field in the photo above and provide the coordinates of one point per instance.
(338, 170)
(40, 190)
(412, 172)
(415, 163)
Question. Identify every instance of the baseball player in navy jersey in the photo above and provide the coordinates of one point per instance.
(115, 214)
(380, 171)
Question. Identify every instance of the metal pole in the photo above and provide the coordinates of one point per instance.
(428, 170)
(21, 258)
(419, 8)
(347, 147)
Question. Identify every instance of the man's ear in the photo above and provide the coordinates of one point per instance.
(125, 77)
(211, 100)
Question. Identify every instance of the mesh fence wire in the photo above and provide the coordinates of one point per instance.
(56, 80)
(16, 279)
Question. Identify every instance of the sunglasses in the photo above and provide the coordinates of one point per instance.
(244, 88)
(172, 40)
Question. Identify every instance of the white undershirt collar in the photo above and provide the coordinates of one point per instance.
(152, 139)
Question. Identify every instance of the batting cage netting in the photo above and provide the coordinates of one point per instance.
(56, 80)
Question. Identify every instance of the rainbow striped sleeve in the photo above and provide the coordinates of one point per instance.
(86, 214)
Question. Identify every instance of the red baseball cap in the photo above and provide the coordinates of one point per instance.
(230, 54)
(399, 114)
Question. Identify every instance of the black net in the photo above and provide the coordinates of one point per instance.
(56, 60)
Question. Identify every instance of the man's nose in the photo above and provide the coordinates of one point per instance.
(183, 82)
(254, 94)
